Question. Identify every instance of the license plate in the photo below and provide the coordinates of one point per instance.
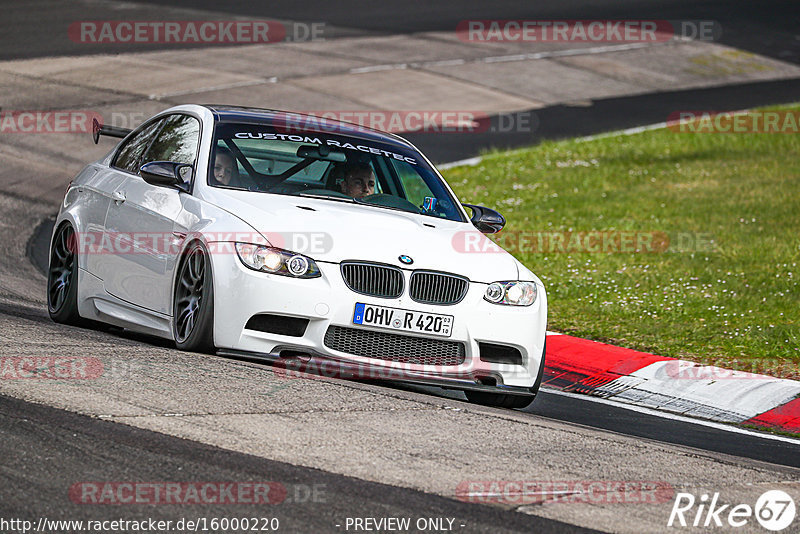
(403, 320)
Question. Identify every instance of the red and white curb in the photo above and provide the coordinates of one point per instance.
(677, 386)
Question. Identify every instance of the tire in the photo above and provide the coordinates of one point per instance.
(193, 302)
(62, 278)
(504, 400)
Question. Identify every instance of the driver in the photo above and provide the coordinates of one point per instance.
(359, 180)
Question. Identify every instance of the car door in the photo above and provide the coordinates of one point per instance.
(141, 221)
(98, 190)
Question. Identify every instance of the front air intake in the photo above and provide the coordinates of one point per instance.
(395, 347)
(278, 324)
(494, 353)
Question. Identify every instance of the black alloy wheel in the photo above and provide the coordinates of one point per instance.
(193, 308)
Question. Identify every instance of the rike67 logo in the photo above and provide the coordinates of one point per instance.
(774, 510)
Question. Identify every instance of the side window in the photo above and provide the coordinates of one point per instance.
(177, 141)
(130, 154)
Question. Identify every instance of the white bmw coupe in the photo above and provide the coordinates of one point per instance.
(280, 236)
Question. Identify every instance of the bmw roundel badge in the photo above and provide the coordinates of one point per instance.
(405, 259)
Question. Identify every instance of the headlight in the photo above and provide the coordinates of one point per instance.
(511, 293)
(276, 261)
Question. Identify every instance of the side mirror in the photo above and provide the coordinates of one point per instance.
(166, 173)
(485, 219)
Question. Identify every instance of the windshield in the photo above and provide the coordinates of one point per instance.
(259, 158)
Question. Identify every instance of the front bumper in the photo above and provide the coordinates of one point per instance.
(241, 293)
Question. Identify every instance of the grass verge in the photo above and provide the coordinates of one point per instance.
(681, 244)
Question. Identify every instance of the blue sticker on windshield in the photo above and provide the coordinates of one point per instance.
(429, 204)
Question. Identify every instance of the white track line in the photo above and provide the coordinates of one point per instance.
(502, 59)
(469, 161)
(627, 131)
(617, 133)
(675, 417)
(630, 131)
(232, 85)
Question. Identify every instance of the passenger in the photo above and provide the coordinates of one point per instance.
(226, 171)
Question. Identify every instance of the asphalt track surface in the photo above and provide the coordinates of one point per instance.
(769, 28)
(604, 115)
(46, 450)
(765, 27)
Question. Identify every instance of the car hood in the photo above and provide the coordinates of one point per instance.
(331, 231)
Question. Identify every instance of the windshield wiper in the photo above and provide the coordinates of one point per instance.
(326, 197)
(353, 200)
(395, 208)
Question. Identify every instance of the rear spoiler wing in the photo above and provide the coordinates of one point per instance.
(110, 131)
